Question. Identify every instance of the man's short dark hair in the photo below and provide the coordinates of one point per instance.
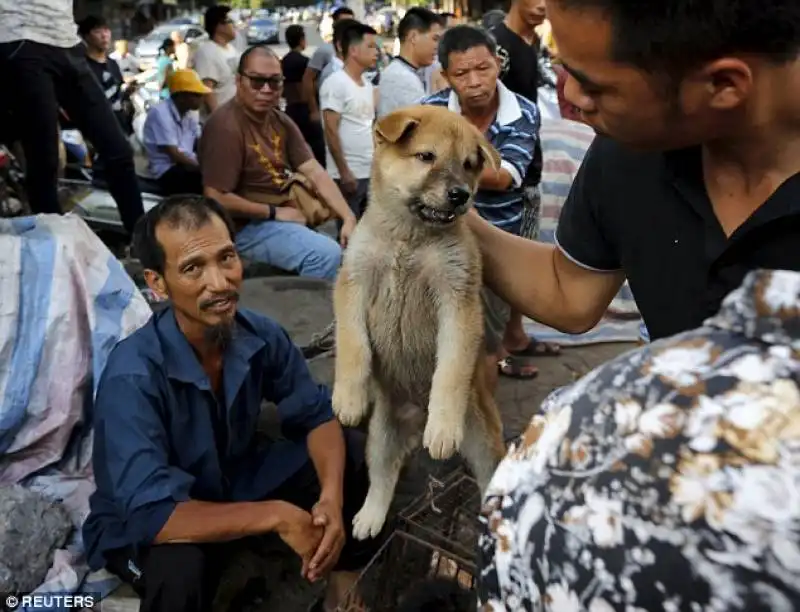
(338, 30)
(676, 35)
(89, 23)
(254, 50)
(340, 12)
(353, 35)
(417, 19)
(295, 34)
(462, 38)
(214, 16)
(178, 211)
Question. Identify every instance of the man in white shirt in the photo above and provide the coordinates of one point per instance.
(45, 68)
(216, 59)
(324, 55)
(348, 105)
(401, 83)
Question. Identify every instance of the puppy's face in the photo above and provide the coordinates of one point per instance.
(427, 163)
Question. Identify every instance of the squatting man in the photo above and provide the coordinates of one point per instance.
(182, 478)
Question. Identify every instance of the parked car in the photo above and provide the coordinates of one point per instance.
(263, 31)
(146, 50)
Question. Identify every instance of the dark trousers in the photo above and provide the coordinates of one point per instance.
(37, 80)
(311, 131)
(185, 577)
(181, 179)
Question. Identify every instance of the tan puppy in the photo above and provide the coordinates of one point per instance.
(409, 320)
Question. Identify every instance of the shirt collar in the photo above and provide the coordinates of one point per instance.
(766, 307)
(508, 110)
(182, 364)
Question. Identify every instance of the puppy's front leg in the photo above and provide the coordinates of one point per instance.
(353, 353)
(458, 343)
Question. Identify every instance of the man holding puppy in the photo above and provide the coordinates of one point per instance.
(511, 123)
(180, 470)
(250, 153)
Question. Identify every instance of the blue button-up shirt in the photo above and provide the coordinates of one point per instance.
(164, 127)
(514, 133)
(154, 439)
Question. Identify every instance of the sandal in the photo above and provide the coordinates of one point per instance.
(538, 349)
(512, 368)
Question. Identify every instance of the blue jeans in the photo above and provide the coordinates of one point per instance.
(291, 247)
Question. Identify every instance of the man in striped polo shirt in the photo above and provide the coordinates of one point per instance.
(511, 123)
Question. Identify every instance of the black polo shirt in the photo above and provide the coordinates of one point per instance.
(649, 215)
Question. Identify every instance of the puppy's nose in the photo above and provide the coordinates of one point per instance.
(458, 196)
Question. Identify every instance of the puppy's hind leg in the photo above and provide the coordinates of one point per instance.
(389, 442)
(483, 445)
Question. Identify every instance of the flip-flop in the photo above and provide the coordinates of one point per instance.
(537, 348)
(511, 368)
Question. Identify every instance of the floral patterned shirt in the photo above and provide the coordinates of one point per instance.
(666, 479)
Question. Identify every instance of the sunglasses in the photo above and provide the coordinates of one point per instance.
(275, 82)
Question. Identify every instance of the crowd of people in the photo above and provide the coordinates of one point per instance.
(666, 479)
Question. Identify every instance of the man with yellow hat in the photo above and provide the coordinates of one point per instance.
(171, 134)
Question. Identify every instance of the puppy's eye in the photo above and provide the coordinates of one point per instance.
(426, 156)
(469, 165)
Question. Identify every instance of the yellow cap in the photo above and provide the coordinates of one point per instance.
(186, 81)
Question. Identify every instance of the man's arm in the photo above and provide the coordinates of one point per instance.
(309, 89)
(516, 155)
(327, 451)
(331, 121)
(568, 286)
(179, 157)
(210, 99)
(131, 467)
(326, 188)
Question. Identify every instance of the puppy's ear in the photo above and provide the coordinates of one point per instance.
(394, 126)
(488, 154)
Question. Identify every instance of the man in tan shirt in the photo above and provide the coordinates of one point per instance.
(249, 150)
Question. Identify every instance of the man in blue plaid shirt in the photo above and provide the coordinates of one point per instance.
(511, 123)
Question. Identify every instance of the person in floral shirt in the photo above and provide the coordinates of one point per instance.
(666, 479)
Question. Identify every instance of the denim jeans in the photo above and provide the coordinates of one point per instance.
(291, 247)
(38, 79)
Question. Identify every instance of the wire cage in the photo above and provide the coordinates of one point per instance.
(436, 538)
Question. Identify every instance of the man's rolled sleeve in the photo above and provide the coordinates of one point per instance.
(303, 405)
(516, 154)
(330, 97)
(131, 457)
(580, 235)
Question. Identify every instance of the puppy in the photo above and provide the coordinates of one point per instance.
(409, 320)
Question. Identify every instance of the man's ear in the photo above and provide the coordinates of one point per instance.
(156, 283)
(394, 126)
(488, 154)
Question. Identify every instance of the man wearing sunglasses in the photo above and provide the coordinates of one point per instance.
(250, 153)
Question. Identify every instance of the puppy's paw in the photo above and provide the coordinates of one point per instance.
(442, 436)
(350, 403)
(368, 522)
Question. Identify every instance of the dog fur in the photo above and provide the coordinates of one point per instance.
(409, 317)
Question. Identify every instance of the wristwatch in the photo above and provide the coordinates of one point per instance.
(272, 212)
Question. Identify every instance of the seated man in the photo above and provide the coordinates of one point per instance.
(178, 466)
(171, 134)
(666, 479)
(248, 153)
(511, 123)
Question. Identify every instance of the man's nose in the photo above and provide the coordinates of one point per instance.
(458, 196)
(216, 279)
